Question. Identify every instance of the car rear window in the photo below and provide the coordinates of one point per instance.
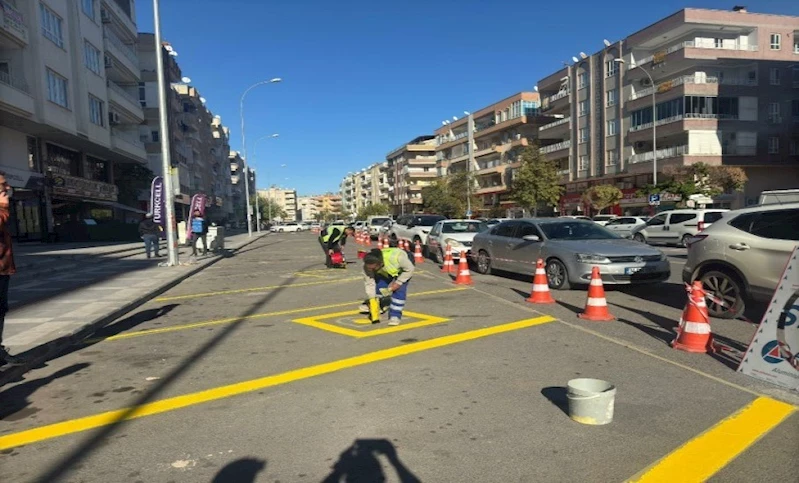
(713, 216)
(378, 221)
(463, 227)
(774, 224)
(681, 217)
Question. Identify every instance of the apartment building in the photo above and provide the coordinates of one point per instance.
(369, 186)
(347, 193)
(69, 110)
(500, 132)
(238, 197)
(409, 168)
(726, 88)
(306, 208)
(328, 206)
(286, 199)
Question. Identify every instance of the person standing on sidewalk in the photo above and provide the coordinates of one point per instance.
(150, 232)
(199, 231)
(7, 267)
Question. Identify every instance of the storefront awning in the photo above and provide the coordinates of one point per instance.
(118, 206)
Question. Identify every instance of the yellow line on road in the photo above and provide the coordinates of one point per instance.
(702, 457)
(256, 289)
(424, 321)
(64, 428)
(230, 320)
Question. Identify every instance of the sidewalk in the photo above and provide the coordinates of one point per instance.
(73, 303)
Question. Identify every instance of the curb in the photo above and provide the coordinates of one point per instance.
(40, 354)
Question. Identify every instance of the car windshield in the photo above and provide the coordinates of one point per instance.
(576, 230)
(379, 221)
(427, 220)
(463, 227)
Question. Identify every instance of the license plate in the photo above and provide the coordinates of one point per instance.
(632, 270)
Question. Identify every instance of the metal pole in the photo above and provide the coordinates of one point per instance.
(166, 162)
(257, 207)
(470, 127)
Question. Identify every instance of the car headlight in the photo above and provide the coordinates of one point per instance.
(590, 258)
(453, 243)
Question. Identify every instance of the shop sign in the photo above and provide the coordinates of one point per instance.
(633, 199)
(82, 187)
(23, 178)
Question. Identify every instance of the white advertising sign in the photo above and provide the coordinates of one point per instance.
(773, 355)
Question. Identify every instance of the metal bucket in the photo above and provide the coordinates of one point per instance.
(361, 254)
(591, 401)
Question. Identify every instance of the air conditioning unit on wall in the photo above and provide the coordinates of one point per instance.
(646, 82)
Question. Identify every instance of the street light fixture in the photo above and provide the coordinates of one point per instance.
(654, 122)
(269, 198)
(274, 80)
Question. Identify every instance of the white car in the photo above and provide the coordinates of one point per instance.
(359, 225)
(375, 223)
(414, 227)
(385, 228)
(623, 225)
(458, 234)
(676, 227)
(287, 227)
(603, 220)
(576, 217)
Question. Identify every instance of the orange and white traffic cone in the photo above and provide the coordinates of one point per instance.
(540, 293)
(417, 254)
(596, 307)
(693, 333)
(449, 265)
(379, 243)
(405, 245)
(464, 276)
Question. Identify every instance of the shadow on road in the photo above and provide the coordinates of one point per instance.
(359, 463)
(557, 396)
(15, 399)
(243, 470)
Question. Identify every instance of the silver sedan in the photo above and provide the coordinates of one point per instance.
(570, 248)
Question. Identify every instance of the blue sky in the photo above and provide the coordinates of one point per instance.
(362, 77)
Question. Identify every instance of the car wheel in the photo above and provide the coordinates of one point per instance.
(639, 238)
(557, 275)
(281, 230)
(726, 288)
(483, 263)
(684, 240)
(440, 256)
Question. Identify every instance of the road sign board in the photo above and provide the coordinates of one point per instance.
(654, 199)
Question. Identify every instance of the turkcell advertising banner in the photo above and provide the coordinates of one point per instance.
(773, 355)
(158, 204)
(197, 204)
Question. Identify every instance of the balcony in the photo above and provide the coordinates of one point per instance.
(690, 44)
(125, 100)
(128, 144)
(495, 169)
(553, 148)
(12, 26)
(122, 17)
(559, 122)
(661, 154)
(549, 102)
(15, 95)
(689, 79)
(122, 53)
(422, 161)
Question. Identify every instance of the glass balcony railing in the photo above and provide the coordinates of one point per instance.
(555, 123)
(556, 147)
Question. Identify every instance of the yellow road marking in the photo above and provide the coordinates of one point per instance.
(312, 275)
(700, 458)
(424, 320)
(230, 320)
(64, 428)
(256, 289)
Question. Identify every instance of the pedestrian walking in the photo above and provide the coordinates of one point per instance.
(150, 232)
(7, 267)
(332, 239)
(199, 231)
(386, 274)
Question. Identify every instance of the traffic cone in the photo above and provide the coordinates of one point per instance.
(417, 255)
(596, 307)
(379, 242)
(449, 265)
(404, 244)
(540, 293)
(464, 276)
(693, 333)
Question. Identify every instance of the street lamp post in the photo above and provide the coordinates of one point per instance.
(269, 193)
(244, 151)
(654, 123)
(470, 137)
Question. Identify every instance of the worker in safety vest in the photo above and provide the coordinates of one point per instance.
(387, 273)
(332, 239)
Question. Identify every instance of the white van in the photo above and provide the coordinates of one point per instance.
(675, 227)
(374, 223)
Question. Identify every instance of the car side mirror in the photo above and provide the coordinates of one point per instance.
(531, 238)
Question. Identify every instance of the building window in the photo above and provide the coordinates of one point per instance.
(612, 157)
(583, 135)
(155, 136)
(142, 95)
(51, 25)
(62, 161)
(613, 97)
(612, 127)
(91, 57)
(718, 43)
(582, 80)
(582, 108)
(57, 89)
(773, 145)
(794, 147)
(96, 110)
(774, 76)
(611, 68)
(774, 112)
(96, 169)
(795, 45)
(88, 8)
(774, 41)
(582, 164)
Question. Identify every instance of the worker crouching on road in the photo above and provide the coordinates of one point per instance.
(332, 239)
(387, 273)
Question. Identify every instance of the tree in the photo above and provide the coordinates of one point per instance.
(497, 211)
(276, 210)
(378, 209)
(131, 179)
(602, 196)
(342, 215)
(536, 182)
(698, 179)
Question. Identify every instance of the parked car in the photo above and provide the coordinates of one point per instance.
(287, 227)
(603, 219)
(316, 225)
(623, 225)
(385, 228)
(414, 227)
(458, 234)
(742, 256)
(675, 227)
(374, 223)
(359, 225)
(495, 221)
(576, 217)
(570, 249)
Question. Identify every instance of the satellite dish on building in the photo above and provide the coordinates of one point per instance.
(185, 80)
(535, 88)
(575, 59)
(583, 56)
(168, 48)
(173, 54)
(202, 99)
(607, 42)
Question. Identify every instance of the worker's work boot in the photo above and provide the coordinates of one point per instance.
(363, 308)
(394, 321)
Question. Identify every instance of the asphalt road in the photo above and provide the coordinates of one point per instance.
(257, 369)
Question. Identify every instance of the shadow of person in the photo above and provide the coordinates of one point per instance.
(243, 470)
(15, 398)
(359, 464)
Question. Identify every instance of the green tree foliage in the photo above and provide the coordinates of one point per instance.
(497, 211)
(379, 209)
(602, 196)
(264, 205)
(536, 182)
(698, 179)
(448, 196)
(131, 179)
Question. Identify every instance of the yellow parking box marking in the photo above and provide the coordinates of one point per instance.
(311, 275)
(702, 457)
(64, 428)
(230, 320)
(424, 321)
(256, 289)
